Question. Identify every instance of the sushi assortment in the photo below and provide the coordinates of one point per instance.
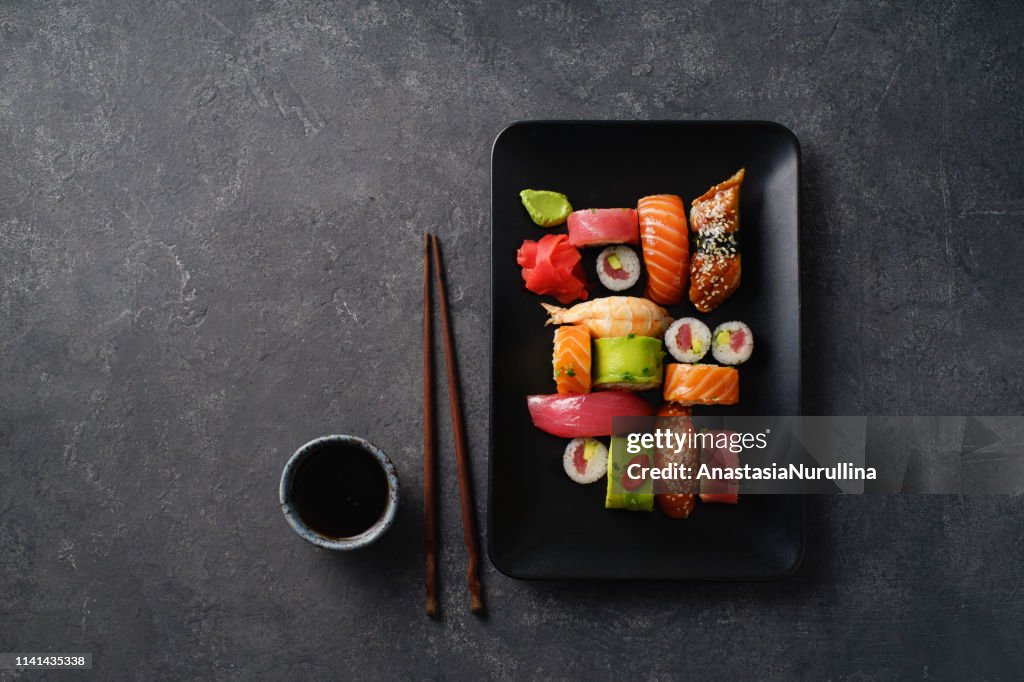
(610, 351)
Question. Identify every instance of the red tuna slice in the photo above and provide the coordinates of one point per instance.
(585, 415)
(736, 339)
(684, 338)
(599, 226)
(579, 459)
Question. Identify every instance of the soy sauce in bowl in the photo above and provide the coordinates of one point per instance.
(339, 492)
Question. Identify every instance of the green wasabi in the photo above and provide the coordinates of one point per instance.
(546, 208)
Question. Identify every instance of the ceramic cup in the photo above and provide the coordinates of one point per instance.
(288, 479)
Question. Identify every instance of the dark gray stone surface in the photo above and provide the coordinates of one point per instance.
(210, 221)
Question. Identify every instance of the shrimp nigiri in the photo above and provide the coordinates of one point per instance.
(614, 316)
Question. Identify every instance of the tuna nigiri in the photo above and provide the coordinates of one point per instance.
(702, 385)
(600, 226)
(586, 415)
(571, 359)
(715, 220)
(614, 316)
(666, 245)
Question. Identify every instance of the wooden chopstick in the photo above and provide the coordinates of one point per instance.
(476, 601)
(429, 440)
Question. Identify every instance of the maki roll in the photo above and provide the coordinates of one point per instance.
(733, 343)
(585, 460)
(688, 339)
(618, 267)
(627, 363)
(628, 486)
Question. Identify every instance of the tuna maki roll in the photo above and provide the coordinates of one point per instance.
(585, 460)
(732, 343)
(688, 339)
(618, 267)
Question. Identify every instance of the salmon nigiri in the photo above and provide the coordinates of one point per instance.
(614, 316)
(571, 359)
(666, 245)
(702, 384)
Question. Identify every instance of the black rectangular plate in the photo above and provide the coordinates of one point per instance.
(541, 524)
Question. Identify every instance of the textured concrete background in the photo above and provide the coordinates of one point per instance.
(210, 217)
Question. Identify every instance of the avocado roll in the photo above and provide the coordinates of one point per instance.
(628, 485)
(627, 363)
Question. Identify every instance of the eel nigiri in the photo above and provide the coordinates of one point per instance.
(571, 359)
(586, 415)
(600, 226)
(702, 384)
(614, 316)
(715, 220)
(676, 498)
(666, 243)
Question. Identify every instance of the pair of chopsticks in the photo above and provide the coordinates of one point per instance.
(476, 601)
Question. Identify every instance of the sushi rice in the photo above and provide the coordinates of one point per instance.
(688, 339)
(732, 343)
(618, 267)
(585, 460)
